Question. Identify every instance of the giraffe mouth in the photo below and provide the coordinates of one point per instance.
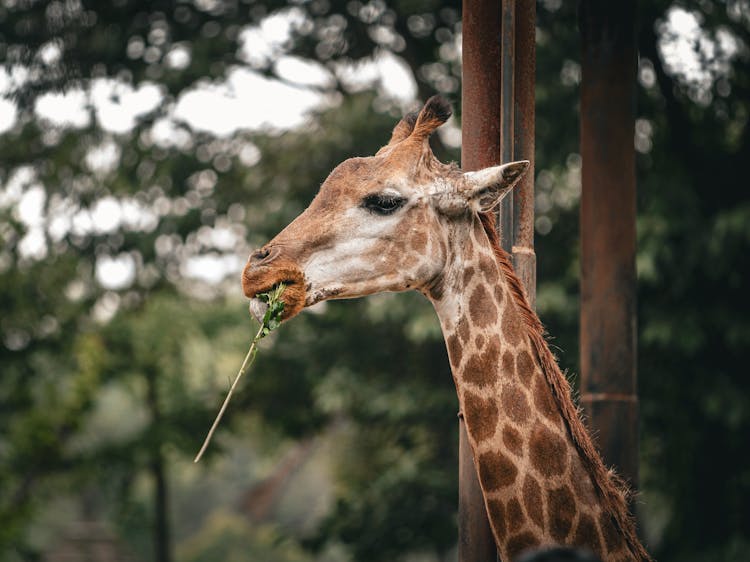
(256, 280)
(258, 307)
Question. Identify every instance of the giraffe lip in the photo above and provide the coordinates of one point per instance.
(258, 307)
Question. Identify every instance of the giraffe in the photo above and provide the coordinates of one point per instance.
(402, 220)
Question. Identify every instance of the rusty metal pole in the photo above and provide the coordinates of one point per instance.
(524, 257)
(608, 237)
(499, 63)
(480, 131)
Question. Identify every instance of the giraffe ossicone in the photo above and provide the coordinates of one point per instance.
(402, 220)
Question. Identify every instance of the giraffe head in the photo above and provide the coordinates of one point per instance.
(380, 223)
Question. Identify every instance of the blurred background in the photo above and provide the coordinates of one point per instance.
(146, 147)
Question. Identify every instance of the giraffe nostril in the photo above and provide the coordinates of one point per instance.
(261, 254)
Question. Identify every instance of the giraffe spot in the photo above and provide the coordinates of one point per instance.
(480, 416)
(508, 365)
(609, 531)
(547, 452)
(520, 543)
(496, 511)
(511, 326)
(544, 401)
(515, 515)
(515, 404)
(561, 509)
(587, 535)
(469, 252)
(532, 500)
(488, 267)
(468, 275)
(419, 242)
(455, 351)
(463, 329)
(513, 440)
(481, 366)
(437, 287)
(525, 367)
(582, 484)
(481, 308)
(496, 471)
(499, 295)
(479, 341)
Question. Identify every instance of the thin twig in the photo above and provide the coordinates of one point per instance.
(249, 358)
(270, 321)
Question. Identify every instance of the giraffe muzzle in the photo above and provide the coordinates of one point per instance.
(262, 274)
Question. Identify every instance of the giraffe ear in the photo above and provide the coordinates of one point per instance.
(435, 112)
(402, 130)
(486, 188)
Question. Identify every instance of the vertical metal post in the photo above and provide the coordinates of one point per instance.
(608, 237)
(480, 131)
(497, 126)
(524, 258)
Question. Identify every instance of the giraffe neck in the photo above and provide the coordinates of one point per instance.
(538, 483)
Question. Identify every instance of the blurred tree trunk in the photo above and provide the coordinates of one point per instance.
(162, 547)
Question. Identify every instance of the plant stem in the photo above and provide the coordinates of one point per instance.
(249, 358)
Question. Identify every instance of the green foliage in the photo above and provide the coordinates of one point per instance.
(272, 316)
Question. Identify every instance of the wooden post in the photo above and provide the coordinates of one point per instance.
(497, 126)
(608, 238)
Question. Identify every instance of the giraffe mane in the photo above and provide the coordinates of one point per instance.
(612, 490)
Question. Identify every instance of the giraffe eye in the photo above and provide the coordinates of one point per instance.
(382, 204)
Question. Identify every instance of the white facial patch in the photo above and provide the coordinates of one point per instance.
(349, 261)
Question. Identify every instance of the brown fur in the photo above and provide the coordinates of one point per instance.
(547, 452)
(609, 487)
(520, 543)
(532, 499)
(496, 470)
(479, 367)
(481, 416)
(513, 440)
(562, 510)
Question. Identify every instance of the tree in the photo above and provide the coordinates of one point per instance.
(184, 198)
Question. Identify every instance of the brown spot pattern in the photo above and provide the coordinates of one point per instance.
(515, 515)
(582, 482)
(419, 242)
(511, 325)
(479, 341)
(544, 401)
(496, 510)
(609, 530)
(513, 440)
(525, 367)
(515, 404)
(455, 351)
(499, 295)
(481, 367)
(496, 470)
(481, 308)
(587, 535)
(520, 543)
(561, 509)
(480, 416)
(468, 274)
(547, 452)
(509, 368)
(463, 329)
(488, 267)
(532, 500)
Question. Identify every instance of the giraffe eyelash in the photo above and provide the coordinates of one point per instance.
(382, 204)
